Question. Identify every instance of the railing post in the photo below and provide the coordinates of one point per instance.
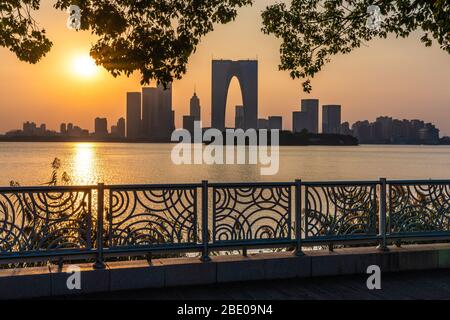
(298, 217)
(382, 218)
(205, 254)
(99, 263)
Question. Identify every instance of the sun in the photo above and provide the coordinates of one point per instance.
(84, 66)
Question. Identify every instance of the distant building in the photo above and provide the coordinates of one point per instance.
(101, 127)
(300, 121)
(429, 134)
(263, 124)
(275, 123)
(29, 128)
(345, 129)
(331, 119)
(188, 123)
(394, 131)
(157, 114)
(194, 107)
(311, 107)
(239, 119)
(63, 129)
(120, 128)
(134, 121)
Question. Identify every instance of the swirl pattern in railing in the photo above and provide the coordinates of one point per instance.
(166, 216)
(251, 213)
(333, 211)
(40, 221)
(419, 208)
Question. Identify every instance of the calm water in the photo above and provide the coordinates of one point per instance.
(89, 163)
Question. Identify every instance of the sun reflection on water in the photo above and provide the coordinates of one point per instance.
(83, 163)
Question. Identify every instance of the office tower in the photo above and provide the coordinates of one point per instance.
(134, 121)
(121, 127)
(246, 71)
(157, 115)
(188, 123)
(101, 127)
(311, 106)
(275, 123)
(239, 121)
(195, 110)
(149, 110)
(299, 121)
(263, 124)
(63, 128)
(29, 128)
(331, 119)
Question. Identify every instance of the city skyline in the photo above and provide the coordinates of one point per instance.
(381, 78)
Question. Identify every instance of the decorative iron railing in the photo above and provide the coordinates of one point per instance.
(251, 213)
(147, 217)
(419, 208)
(38, 221)
(48, 223)
(340, 211)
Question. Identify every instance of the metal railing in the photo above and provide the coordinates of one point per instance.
(100, 222)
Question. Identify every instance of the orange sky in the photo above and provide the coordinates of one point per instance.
(395, 77)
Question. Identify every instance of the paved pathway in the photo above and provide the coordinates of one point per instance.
(405, 285)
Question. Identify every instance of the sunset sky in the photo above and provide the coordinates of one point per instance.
(395, 77)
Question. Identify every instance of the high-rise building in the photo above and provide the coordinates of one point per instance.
(195, 110)
(149, 110)
(63, 128)
(157, 115)
(311, 107)
(101, 127)
(331, 119)
(134, 120)
(121, 127)
(263, 124)
(275, 123)
(188, 123)
(239, 119)
(300, 121)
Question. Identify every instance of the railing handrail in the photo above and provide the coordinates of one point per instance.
(292, 209)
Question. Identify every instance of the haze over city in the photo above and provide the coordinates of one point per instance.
(381, 78)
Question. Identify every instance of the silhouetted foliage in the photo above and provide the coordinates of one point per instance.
(157, 37)
(313, 30)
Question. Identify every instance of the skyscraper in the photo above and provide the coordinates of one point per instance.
(101, 127)
(188, 123)
(195, 110)
(311, 107)
(331, 119)
(157, 114)
(149, 110)
(121, 127)
(239, 120)
(133, 115)
(299, 121)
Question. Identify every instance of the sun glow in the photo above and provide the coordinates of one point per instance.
(84, 66)
(84, 163)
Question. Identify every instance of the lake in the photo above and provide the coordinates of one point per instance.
(115, 163)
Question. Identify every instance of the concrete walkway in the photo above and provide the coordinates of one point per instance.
(433, 284)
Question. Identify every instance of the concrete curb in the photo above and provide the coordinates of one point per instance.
(51, 281)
